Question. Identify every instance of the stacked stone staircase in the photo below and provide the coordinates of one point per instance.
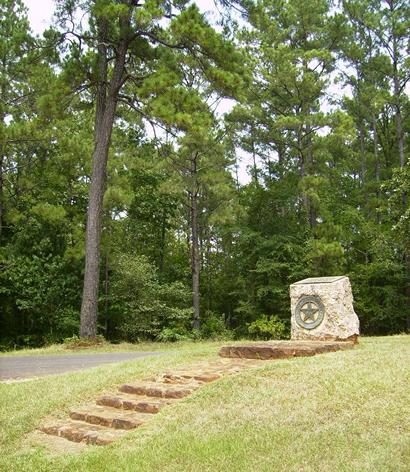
(114, 414)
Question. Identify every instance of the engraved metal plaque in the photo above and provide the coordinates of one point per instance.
(309, 312)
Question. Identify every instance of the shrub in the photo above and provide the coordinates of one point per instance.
(267, 328)
(171, 335)
(213, 327)
(143, 306)
(75, 342)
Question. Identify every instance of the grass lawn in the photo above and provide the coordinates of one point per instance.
(105, 347)
(342, 411)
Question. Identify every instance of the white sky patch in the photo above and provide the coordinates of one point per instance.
(40, 13)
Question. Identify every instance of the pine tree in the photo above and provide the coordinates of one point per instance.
(15, 45)
(125, 43)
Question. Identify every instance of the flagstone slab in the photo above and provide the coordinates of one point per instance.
(282, 349)
(115, 418)
(143, 404)
(153, 389)
(78, 431)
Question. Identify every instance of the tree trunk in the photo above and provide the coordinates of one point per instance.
(363, 163)
(2, 156)
(310, 165)
(302, 169)
(236, 172)
(106, 292)
(195, 263)
(400, 145)
(362, 160)
(407, 291)
(106, 104)
(1, 192)
(400, 142)
(107, 278)
(255, 168)
(89, 307)
(306, 168)
(397, 93)
(208, 270)
(377, 165)
(399, 122)
(162, 242)
(281, 159)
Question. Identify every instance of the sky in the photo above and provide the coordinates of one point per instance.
(41, 11)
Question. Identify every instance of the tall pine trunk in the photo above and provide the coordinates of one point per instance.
(2, 157)
(397, 93)
(377, 166)
(400, 145)
(106, 104)
(1, 192)
(162, 241)
(89, 307)
(310, 168)
(306, 167)
(195, 261)
(363, 159)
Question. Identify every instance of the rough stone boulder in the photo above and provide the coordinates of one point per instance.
(322, 310)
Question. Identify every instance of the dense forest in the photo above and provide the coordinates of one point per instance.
(125, 210)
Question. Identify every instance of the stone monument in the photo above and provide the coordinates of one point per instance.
(322, 310)
(323, 320)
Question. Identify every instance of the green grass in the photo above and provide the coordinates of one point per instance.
(343, 411)
(106, 347)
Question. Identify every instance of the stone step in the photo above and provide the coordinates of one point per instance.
(179, 377)
(265, 352)
(108, 416)
(139, 403)
(161, 390)
(115, 413)
(78, 431)
(282, 349)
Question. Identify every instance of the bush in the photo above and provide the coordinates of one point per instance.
(171, 335)
(23, 341)
(144, 307)
(75, 342)
(39, 296)
(267, 328)
(213, 327)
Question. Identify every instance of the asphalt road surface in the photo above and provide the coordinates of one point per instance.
(22, 367)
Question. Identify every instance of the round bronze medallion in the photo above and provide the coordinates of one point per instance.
(309, 312)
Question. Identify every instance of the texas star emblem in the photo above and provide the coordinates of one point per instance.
(309, 312)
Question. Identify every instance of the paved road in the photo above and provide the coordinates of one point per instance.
(16, 367)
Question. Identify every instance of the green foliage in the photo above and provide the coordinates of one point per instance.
(39, 282)
(379, 289)
(171, 335)
(213, 327)
(141, 306)
(329, 180)
(267, 328)
(75, 342)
